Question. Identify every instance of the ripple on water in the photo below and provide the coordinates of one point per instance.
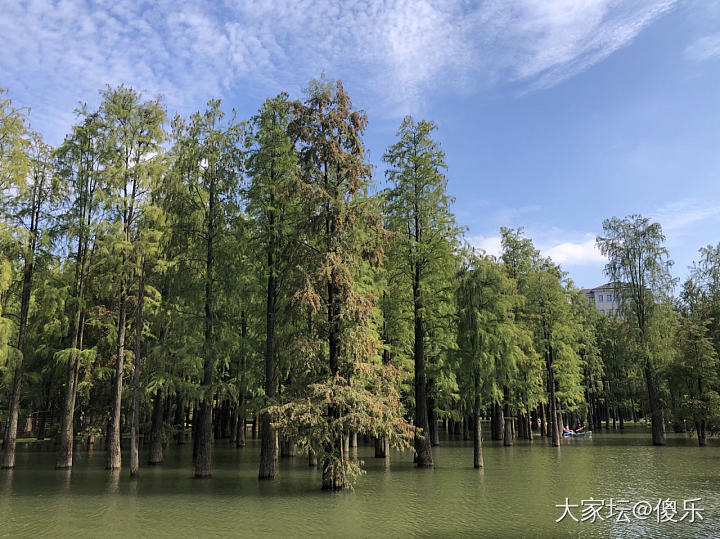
(515, 495)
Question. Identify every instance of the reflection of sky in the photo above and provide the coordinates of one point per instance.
(554, 115)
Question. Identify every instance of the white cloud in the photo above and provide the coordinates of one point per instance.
(394, 52)
(492, 245)
(704, 48)
(554, 244)
(568, 252)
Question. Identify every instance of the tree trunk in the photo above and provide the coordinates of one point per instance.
(134, 426)
(423, 447)
(478, 461)
(64, 458)
(432, 423)
(381, 448)
(156, 430)
(656, 413)
(700, 427)
(508, 438)
(179, 422)
(113, 460)
(268, 453)
(555, 428)
(8, 456)
(241, 413)
(241, 440)
(203, 459)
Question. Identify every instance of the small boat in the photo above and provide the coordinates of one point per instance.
(572, 434)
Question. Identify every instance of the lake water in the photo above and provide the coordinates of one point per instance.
(514, 496)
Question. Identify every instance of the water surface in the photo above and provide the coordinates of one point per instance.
(514, 496)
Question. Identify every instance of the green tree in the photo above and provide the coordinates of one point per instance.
(29, 213)
(272, 195)
(696, 368)
(132, 132)
(491, 344)
(639, 266)
(425, 236)
(341, 243)
(80, 170)
(209, 163)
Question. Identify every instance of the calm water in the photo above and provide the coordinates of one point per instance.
(514, 496)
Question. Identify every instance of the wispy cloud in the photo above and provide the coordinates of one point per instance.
(681, 213)
(394, 52)
(704, 48)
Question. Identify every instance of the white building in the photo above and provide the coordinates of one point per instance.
(604, 298)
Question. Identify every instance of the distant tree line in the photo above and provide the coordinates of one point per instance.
(206, 279)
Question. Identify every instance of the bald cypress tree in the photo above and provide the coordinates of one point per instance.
(132, 131)
(29, 210)
(418, 212)
(639, 265)
(272, 199)
(491, 343)
(80, 168)
(341, 239)
(208, 164)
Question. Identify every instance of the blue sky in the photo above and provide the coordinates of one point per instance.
(554, 114)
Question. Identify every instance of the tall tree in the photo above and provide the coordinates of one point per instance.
(639, 266)
(491, 345)
(272, 167)
(696, 366)
(209, 163)
(30, 210)
(132, 132)
(341, 243)
(418, 212)
(80, 168)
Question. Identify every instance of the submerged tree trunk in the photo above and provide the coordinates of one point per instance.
(432, 422)
(332, 479)
(203, 459)
(268, 452)
(528, 427)
(700, 427)
(381, 448)
(67, 430)
(179, 422)
(423, 446)
(508, 438)
(554, 428)
(656, 413)
(478, 461)
(113, 459)
(134, 426)
(240, 413)
(156, 429)
(8, 456)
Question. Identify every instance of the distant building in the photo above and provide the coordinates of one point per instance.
(604, 298)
